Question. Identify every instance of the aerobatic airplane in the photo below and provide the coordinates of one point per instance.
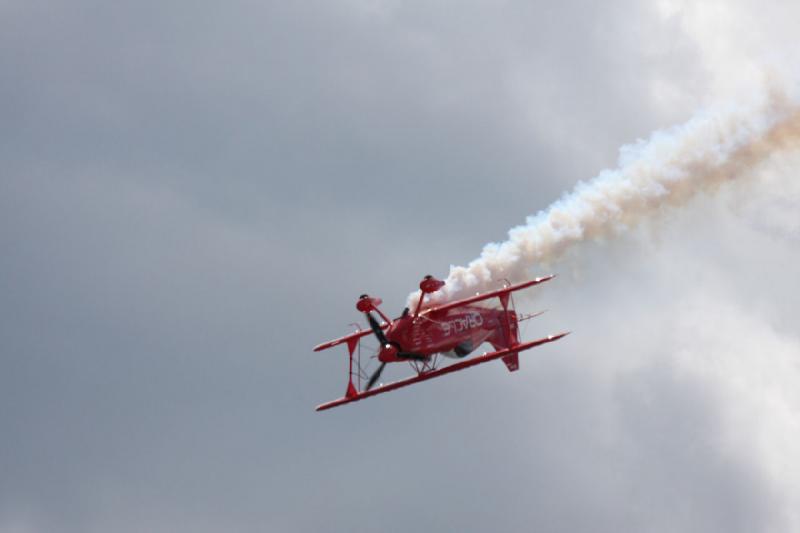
(453, 329)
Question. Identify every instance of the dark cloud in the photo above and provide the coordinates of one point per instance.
(194, 193)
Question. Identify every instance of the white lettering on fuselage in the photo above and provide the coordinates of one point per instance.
(461, 324)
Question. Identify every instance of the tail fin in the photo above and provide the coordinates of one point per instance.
(512, 361)
(508, 337)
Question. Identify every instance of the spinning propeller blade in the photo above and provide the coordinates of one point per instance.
(385, 344)
(374, 377)
(376, 329)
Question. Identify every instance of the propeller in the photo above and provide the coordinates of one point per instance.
(385, 344)
(376, 329)
(374, 377)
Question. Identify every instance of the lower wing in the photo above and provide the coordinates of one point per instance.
(441, 371)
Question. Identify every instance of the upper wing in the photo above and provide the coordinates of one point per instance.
(347, 338)
(487, 295)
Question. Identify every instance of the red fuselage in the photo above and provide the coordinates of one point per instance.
(455, 332)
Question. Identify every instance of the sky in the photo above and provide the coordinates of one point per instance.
(193, 195)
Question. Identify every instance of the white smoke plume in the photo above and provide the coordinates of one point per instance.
(663, 172)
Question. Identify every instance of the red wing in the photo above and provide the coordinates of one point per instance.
(346, 338)
(487, 295)
(440, 371)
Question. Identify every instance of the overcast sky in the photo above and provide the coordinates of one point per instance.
(193, 195)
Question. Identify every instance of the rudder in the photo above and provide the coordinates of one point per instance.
(512, 361)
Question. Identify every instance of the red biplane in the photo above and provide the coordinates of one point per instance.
(453, 329)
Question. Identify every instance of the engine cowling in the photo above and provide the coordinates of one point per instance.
(388, 353)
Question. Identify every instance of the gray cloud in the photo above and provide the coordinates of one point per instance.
(193, 195)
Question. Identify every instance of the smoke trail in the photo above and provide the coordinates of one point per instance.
(663, 172)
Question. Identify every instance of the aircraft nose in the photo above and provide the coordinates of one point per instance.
(388, 353)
